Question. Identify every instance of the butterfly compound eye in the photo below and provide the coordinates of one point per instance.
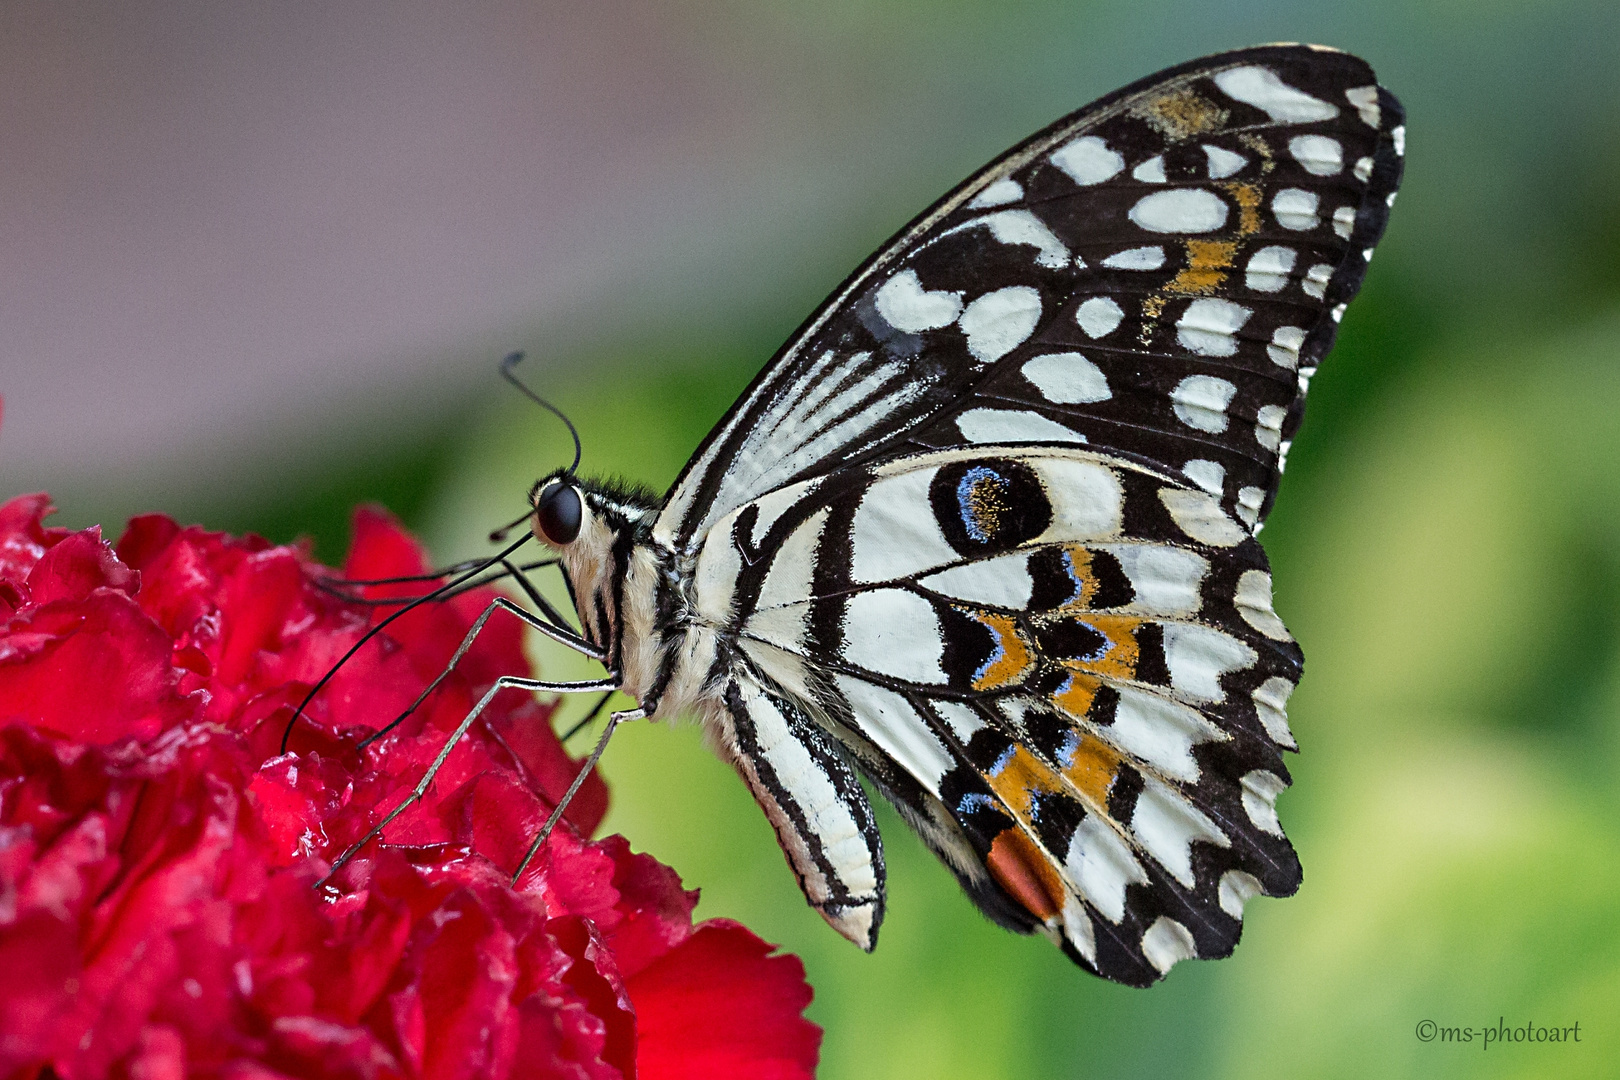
(559, 512)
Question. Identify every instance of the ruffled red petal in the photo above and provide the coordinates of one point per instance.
(720, 1006)
(159, 856)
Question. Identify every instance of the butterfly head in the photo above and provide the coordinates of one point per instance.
(594, 526)
(559, 511)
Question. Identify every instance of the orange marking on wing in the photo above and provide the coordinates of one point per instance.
(1019, 867)
(1152, 308)
(1119, 662)
(1018, 781)
(1207, 263)
(1093, 768)
(1013, 659)
(1181, 114)
(1247, 196)
(1079, 559)
(1259, 146)
(1075, 696)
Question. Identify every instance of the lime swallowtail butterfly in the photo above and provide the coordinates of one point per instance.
(983, 530)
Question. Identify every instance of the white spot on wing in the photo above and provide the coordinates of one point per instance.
(1399, 135)
(1087, 499)
(1260, 791)
(1197, 514)
(1363, 169)
(1207, 327)
(1150, 171)
(1268, 426)
(1209, 475)
(1237, 888)
(1077, 925)
(907, 306)
(1002, 581)
(1271, 705)
(894, 533)
(1262, 88)
(1253, 601)
(1160, 732)
(1138, 258)
(1000, 193)
(715, 580)
(889, 721)
(1223, 162)
(1022, 227)
(1249, 501)
(960, 718)
(1199, 656)
(1067, 378)
(782, 626)
(787, 585)
(1200, 402)
(1099, 316)
(1284, 347)
(998, 322)
(1166, 824)
(1166, 943)
(1167, 581)
(1013, 426)
(772, 505)
(1087, 160)
(1344, 221)
(1316, 280)
(1365, 100)
(1295, 208)
(1269, 268)
(1319, 154)
(1100, 865)
(894, 632)
(788, 579)
(1180, 210)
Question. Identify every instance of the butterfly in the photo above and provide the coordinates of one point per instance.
(983, 530)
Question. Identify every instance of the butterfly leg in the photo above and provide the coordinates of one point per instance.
(614, 719)
(557, 634)
(502, 683)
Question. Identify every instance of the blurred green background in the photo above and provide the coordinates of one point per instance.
(1446, 548)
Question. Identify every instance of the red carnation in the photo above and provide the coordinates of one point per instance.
(159, 856)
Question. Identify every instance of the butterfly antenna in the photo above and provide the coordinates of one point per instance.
(512, 360)
(375, 630)
(498, 536)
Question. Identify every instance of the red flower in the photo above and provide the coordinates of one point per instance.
(158, 855)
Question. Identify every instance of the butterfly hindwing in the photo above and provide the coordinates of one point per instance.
(1072, 687)
(1158, 275)
(802, 778)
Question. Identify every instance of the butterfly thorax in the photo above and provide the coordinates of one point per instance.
(632, 595)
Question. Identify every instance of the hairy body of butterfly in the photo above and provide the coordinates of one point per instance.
(983, 530)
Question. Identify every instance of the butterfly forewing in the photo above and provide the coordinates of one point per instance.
(984, 527)
(1158, 274)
